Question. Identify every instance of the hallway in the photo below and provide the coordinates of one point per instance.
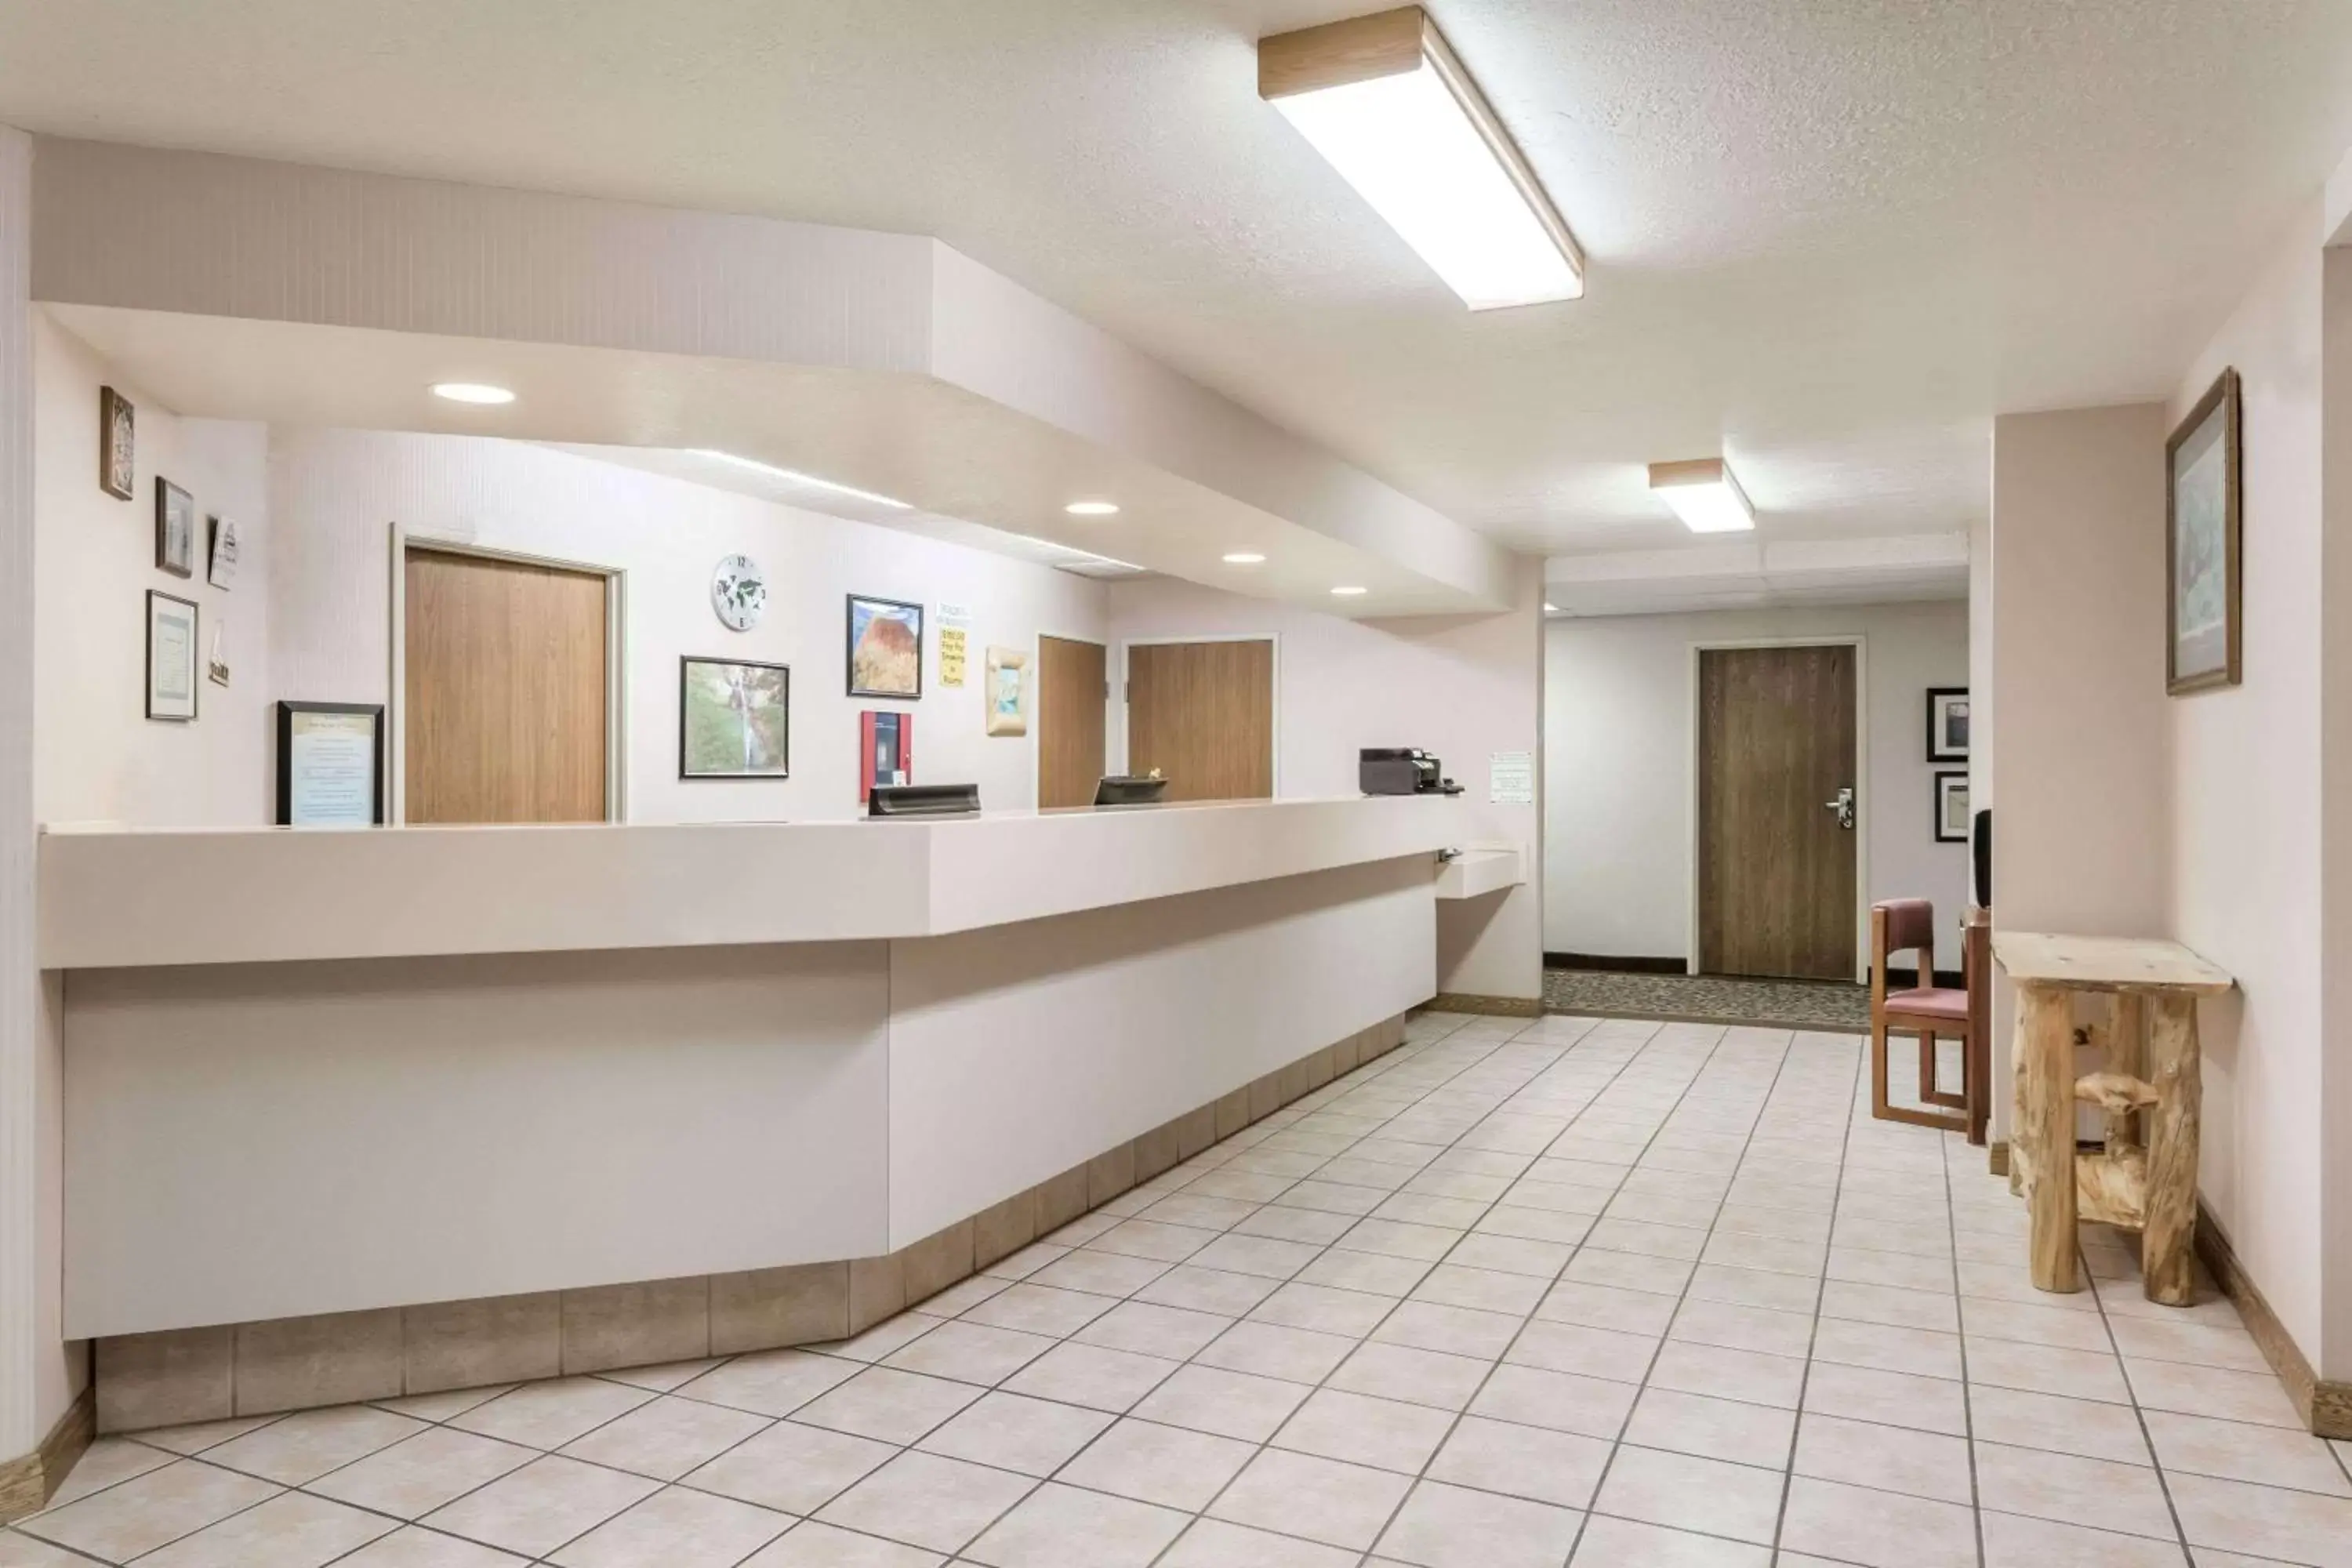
(1601, 1291)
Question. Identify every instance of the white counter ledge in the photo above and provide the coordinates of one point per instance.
(152, 897)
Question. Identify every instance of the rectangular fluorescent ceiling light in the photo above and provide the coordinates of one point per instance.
(794, 476)
(1384, 100)
(1704, 495)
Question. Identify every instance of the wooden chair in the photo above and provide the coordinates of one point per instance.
(1925, 1009)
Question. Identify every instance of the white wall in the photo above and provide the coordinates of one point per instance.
(338, 491)
(1619, 715)
(100, 757)
(39, 1372)
(2248, 809)
(1462, 687)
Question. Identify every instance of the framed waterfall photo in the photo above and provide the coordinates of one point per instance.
(2203, 528)
(734, 720)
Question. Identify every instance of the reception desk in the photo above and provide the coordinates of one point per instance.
(352, 1115)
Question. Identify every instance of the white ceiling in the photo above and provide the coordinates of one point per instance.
(1831, 238)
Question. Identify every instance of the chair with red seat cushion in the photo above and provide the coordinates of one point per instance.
(1927, 1010)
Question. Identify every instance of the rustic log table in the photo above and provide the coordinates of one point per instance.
(2145, 1180)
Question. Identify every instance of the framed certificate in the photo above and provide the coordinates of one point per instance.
(171, 658)
(330, 764)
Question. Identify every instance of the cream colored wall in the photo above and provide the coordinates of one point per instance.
(40, 1373)
(1464, 686)
(100, 757)
(338, 490)
(2084, 812)
(1618, 789)
(2248, 809)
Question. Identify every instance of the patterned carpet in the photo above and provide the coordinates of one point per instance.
(1708, 998)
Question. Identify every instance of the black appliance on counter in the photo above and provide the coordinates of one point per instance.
(1401, 770)
(1124, 789)
(923, 800)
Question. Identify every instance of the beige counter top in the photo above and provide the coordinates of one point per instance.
(149, 897)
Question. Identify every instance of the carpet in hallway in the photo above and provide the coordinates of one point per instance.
(1716, 998)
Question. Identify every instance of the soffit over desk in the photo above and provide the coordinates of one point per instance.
(151, 898)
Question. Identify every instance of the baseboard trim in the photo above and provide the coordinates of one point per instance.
(2326, 1407)
(1494, 1006)
(28, 1481)
(1608, 964)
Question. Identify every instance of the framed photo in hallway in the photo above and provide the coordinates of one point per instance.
(176, 529)
(1947, 724)
(2203, 530)
(734, 720)
(171, 658)
(1952, 807)
(885, 647)
(117, 473)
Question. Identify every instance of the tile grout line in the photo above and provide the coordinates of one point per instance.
(1617, 1444)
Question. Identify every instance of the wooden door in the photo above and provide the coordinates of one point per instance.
(506, 691)
(1775, 865)
(1202, 713)
(1073, 686)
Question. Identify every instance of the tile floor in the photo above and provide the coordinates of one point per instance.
(1620, 1294)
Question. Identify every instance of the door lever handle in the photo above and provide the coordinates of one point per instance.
(1843, 806)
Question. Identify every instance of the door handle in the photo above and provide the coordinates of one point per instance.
(1843, 806)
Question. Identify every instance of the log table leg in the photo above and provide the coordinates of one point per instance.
(2044, 1140)
(2168, 1245)
(2128, 1055)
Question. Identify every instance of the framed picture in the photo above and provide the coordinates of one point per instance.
(117, 473)
(1952, 807)
(1008, 691)
(171, 657)
(330, 764)
(886, 649)
(220, 568)
(1947, 724)
(2202, 533)
(734, 720)
(176, 529)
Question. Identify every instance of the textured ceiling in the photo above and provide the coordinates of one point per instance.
(1831, 236)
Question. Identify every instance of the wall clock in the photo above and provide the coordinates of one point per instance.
(739, 592)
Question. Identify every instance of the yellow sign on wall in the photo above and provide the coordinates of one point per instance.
(951, 655)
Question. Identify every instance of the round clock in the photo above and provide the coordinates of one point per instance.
(739, 592)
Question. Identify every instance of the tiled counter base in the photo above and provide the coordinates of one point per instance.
(297, 1364)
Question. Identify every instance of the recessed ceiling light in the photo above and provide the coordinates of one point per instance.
(1243, 558)
(1348, 591)
(1705, 495)
(1550, 609)
(1092, 509)
(796, 476)
(1387, 104)
(472, 391)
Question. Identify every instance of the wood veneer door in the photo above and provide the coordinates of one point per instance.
(506, 691)
(1776, 866)
(1202, 713)
(1073, 686)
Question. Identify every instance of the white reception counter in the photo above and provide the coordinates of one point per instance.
(682, 1090)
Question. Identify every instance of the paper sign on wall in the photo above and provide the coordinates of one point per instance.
(955, 643)
(1511, 779)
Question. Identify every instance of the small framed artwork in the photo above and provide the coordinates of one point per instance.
(886, 649)
(1948, 724)
(117, 473)
(1952, 807)
(176, 529)
(220, 569)
(330, 764)
(171, 658)
(734, 720)
(1008, 691)
(2203, 544)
